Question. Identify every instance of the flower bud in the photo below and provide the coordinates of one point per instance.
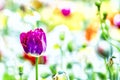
(104, 49)
(70, 46)
(104, 16)
(98, 4)
(62, 36)
(20, 68)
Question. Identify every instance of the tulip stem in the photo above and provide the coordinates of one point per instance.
(21, 77)
(36, 67)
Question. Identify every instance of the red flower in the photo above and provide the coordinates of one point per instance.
(42, 59)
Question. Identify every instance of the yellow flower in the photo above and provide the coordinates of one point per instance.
(3, 21)
(36, 4)
(55, 17)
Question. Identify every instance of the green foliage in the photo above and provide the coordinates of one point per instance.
(101, 76)
(89, 66)
(69, 65)
(71, 76)
(39, 23)
(7, 76)
(53, 69)
(45, 75)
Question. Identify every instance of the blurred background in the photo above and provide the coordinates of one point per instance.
(74, 43)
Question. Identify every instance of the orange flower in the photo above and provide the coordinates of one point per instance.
(91, 30)
(110, 17)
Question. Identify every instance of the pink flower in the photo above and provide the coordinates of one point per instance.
(65, 12)
(2, 4)
(116, 20)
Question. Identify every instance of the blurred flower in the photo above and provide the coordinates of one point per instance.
(3, 21)
(60, 76)
(2, 4)
(66, 12)
(29, 58)
(91, 30)
(34, 42)
(41, 60)
(36, 4)
(0, 55)
(74, 20)
(104, 49)
(110, 17)
(117, 20)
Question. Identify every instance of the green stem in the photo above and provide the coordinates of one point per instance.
(36, 67)
(114, 45)
(61, 57)
(108, 70)
(20, 77)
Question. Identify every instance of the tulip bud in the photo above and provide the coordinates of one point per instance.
(104, 49)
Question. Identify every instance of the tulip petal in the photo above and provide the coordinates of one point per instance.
(23, 40)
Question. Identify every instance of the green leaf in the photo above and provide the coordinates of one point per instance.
(69, 66)
(53, 69)
(113, 57)
(89, 66)
(39, 23)
(101, 76)
(45, 75)
(71, 76)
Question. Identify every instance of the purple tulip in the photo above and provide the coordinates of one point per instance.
(65, 12)
(117, 20)
(34, 42)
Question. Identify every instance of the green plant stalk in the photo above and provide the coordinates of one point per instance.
(62, 53)
(109, 70)
(20, 77)
(36, 68)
